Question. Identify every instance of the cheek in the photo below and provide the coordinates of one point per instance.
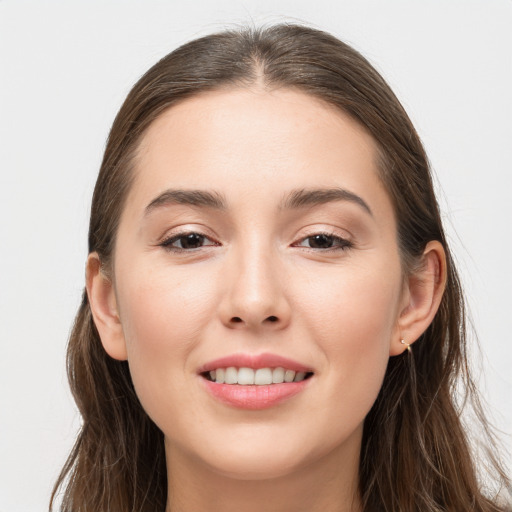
(163, 314)
(353, 319)
(354, 307)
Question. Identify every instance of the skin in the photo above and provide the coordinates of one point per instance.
(258, 285)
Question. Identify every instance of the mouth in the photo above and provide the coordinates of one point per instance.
(256, 382)
(244, 376)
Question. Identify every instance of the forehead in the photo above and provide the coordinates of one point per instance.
(246, 142)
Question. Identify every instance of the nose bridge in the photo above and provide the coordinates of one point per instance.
(255, 296)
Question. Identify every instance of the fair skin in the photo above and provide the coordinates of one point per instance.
(318, 282)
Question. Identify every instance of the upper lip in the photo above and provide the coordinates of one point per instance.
(254, 361)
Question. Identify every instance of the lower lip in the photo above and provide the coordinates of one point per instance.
(254, 397)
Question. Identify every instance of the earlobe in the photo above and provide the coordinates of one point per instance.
(422, 296)
(102, 300)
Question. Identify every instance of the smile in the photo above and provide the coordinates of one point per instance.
(249, 381)
(259, 377)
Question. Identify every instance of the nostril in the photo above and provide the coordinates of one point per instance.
(238, 320)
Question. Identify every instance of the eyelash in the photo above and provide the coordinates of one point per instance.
(167, 243)
(339, 243)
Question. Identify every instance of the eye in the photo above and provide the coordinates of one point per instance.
(187, 241)
(324, 241)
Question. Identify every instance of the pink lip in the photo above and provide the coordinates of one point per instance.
(254, 397)
(254, 361)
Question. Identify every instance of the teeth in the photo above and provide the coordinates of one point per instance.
(278, 376)
(220, 375)
(289, 375)
(245, 376)
(299, 376)
(263, 376)
(259, 377)
(231, 375)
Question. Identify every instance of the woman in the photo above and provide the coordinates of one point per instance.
(272, 319)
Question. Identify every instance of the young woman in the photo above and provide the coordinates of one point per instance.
(272, 318)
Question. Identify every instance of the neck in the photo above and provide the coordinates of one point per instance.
(329, 484)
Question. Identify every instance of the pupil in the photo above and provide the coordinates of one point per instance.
(192, 241)
(321, 241)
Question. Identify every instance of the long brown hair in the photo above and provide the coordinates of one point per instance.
(415, 452)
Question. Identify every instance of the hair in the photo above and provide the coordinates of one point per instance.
(415, 454)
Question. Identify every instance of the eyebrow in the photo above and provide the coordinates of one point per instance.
(201, 198)
(303, 198)
(300, 198)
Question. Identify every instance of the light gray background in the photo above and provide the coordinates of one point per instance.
(65, 68)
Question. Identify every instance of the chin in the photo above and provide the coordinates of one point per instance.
(256, 466)
(264, 455)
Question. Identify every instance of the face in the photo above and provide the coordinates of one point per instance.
(257, 235)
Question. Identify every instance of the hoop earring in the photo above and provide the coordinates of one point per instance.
(403, 342)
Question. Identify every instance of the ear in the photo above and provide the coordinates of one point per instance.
(102, 299)
(422, 296)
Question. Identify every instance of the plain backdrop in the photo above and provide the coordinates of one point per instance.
(65, 68)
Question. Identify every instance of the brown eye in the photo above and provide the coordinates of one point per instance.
(321, 241)
(324, 241)
(190, 241)
(187, 241)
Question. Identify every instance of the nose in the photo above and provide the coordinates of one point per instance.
(254, 295)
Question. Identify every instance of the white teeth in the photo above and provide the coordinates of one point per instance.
(220, 375)
(263, 376)
(231, 376)
(246, 376)
(299, 376)
(278, 376)
(289, 375)
(259, 377)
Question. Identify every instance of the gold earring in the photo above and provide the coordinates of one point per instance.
(403, 342)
